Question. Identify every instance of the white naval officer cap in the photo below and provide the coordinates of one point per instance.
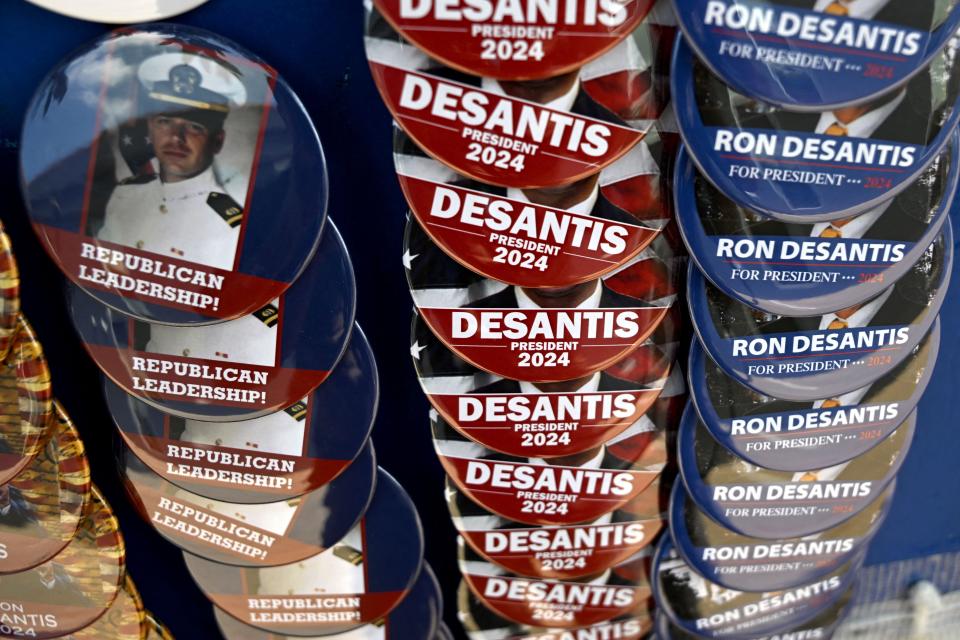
(191, 84)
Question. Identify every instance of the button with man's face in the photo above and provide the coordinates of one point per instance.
(821, 166)
(361, 578)
(832, 60)
(828, 355)
(158, 200)
(530, 133)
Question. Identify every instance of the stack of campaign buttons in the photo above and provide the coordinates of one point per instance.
(535, 148)
(813, 192)
(243, 393)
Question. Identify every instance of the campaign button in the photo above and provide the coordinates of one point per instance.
(252, 535)
(126, 618)
(795, 436)
(246, 368)
(119, 11)
(559, 552)
(564, 604)
(268, 459)
(360, 579)
(763, 503)
(41, 508)
(9, 294)
(807, 269)
(707, 610)
(176, 177)
(824, 355)
(156, 630)
(550, 419)
(416, 618)
(483, 623)
(814, 167)
(815, 55)
(745, 563)
(560, 491)
(26, 402)
(549, 334)
(509, 40)
(523, 133)
(74, 588)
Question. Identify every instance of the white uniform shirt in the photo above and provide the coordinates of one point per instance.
(173, 220)
(326, 573)
(275, 433)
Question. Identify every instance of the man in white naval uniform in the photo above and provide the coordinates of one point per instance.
(336, 571)
(281, 432)
(181, 210)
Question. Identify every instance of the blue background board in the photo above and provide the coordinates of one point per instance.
(317, 46)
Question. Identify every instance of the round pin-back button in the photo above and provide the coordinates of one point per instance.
(9, 294)
(481, 622)
(560, 552)
(443, 632)
(822, 356)
(514, 42)
(764, 503)
(252, 535)
(358, 580)
(810, 167)
(42, 507)
(417, 617)
(745, 563)
(523, 133)
(806, 269)
(76, 587)
(548, 334)
(156, 630)
(550, 237)
(707, 610)
(165, 176)
(276, 457)
(815, 55)
(821, 626)
(557, 603)
(237, 370)
(795, 436)
(26, 402)
(560, 491)
(554, 419)
(126, 618)
(119, 11)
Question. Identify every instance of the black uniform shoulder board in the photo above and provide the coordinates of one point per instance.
(227, 207)
(268, 315)
(348, 553)
(141, 179)
(298, 411)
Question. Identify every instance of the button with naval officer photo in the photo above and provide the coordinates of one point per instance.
(417, 617)
(815, 167)
(251, 535)
(237, 370)
(795, 436)
(360, 579)
(524, 133)
(572, 489)
(481, 622)
(514, 40)
(763, 503)
(746, 563)
(9, 294)
(550, 419)
(275, 457)
(119, 11)
(707, 610)
(41, 507)
(546, 237)
(813, 55)
(173, 175)
(26, 402)
(550, 334)
(74, 588)
(806, 269)
(824, 355)
(565, 552)
(619, 591)
(126, 618)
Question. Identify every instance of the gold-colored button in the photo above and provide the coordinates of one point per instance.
(140, 244)
(163, 208)
(186, 352)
